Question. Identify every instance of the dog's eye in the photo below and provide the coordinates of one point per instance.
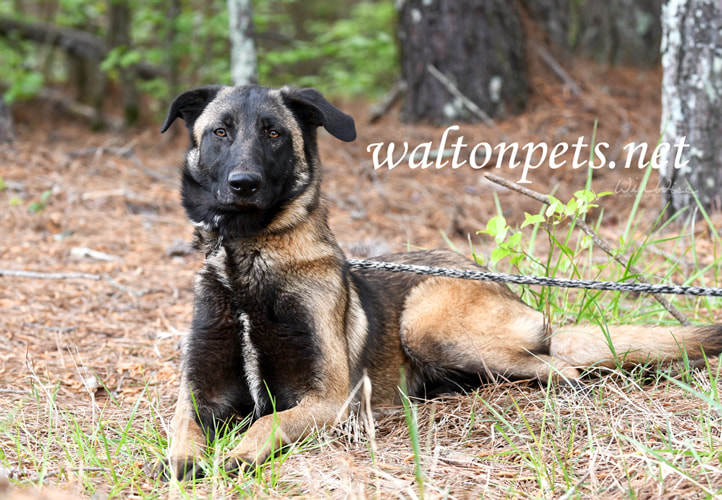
(273, 134)
(220, 132)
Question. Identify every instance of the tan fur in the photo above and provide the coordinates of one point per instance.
(432, 329)
(187, 441)
(357, 326)
(296, 136)
(588, 345)
(463, 325)
(295, 213)
(214, 109)
(316, 410)
(270, 433)
(305, 244)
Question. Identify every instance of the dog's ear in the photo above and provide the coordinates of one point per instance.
(312, 107)
(189, 105)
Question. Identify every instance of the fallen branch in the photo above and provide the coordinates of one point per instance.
(558, 70)
(50, 276)
(17, 473)
(78, 109)
(468, 103)
(4, 390)
(606, 247)
(124, 289)
(380, 109)
(75, 42)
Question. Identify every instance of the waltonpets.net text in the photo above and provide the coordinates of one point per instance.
(530, 156)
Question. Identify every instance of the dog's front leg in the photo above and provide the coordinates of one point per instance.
(271, 432)
(187, 440)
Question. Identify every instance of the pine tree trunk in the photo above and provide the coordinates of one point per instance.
(243, 46)
(171, 42)
(692, 103)
(6, 122)
(119, 22)
(477, 44)
(611, 31)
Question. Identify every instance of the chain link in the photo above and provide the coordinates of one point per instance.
(534, 280)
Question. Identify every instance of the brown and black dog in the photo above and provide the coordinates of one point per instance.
(283, 330)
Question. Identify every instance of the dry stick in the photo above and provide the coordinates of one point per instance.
(558, 70)
(379, 110)
(606, 247)
(470, 105)
(75, 108)
(51, 276)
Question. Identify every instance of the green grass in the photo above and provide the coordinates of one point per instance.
(547, 440)
(412, 424)
(648, 432)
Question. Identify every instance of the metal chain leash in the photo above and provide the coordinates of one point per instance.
(534, 280)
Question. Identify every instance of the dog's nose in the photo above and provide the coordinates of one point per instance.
(244, 184)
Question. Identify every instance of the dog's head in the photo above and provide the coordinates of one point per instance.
(253, 153)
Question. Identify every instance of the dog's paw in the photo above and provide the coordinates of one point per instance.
(182, 469)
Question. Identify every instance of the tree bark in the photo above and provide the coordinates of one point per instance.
(243, 47)
(119, 22)
(692, 104)
(6, 122)
(171, 42)
(612, 31)
(477, 44)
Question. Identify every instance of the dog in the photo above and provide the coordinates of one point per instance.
(283, 329)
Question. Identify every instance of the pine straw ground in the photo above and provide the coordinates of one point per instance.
(89, 369)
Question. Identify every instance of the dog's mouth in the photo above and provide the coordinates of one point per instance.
(240, 207)
(229, 203)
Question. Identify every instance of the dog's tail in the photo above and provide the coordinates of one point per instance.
(592, 345)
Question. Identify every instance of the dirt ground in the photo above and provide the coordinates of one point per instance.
(113, 211)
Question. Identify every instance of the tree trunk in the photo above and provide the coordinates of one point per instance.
(6, 122)
(692, 104)
(243, 47)
(171, 43)
(119, 22)
(477, 44)
(612, 31)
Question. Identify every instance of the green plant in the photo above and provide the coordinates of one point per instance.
(41, 204)
(345, 51)
(350, 56)
(412, 424)
(20, 60)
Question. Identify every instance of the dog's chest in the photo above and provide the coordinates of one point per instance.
(279, 348)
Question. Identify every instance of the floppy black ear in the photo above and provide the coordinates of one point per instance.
(315, 109)
(189, 105)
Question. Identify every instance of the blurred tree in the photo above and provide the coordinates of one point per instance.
(171, 43)
(102, 48)
(692, 103)
(6, 122)
(243, 47)
(118, 42)
(613, 31)
(477, 46)
(346, 47)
